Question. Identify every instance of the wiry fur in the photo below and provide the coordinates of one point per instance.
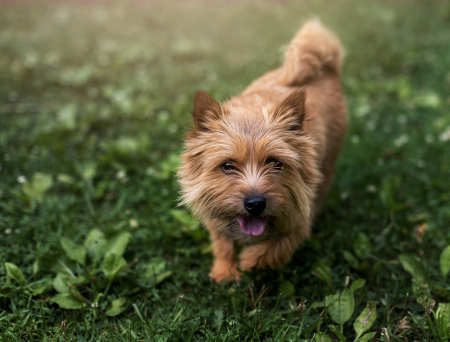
(268, 121)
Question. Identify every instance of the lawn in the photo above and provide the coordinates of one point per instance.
(94, 102)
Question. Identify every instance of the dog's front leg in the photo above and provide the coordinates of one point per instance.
(273, 254)
(225, 264)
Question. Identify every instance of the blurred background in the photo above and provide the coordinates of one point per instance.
(95, 99)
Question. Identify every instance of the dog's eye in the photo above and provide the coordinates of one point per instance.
(228, 167)
(276, 164)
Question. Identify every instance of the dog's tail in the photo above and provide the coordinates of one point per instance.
(313, 50)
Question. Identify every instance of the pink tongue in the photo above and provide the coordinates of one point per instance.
(252, 226)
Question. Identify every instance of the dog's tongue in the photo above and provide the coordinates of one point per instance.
(251, 225)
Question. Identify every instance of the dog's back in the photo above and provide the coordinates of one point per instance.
(313, 61)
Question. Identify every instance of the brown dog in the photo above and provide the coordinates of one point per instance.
(257, 167)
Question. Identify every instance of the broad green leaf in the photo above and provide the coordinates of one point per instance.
(442, 316)
(38, 186)
(335, 330)
(286, 288)
(118, 243)
(340, 306)
(95, 243)
(322, 270)
(365, 319)
(156, 270)
(38, 290)
(15, 273)
(73, 251)
(321, 337)
(63, 178)
(351, 259)
(113, 264)
(87, 170)
(367, 337)
(445, 261)
(67, 301)
(118, 306)
(357, 284)
(63, 281)
(362, 246)
(444, 308)
(412, 266)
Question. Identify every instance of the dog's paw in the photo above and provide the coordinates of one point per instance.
(225, 271)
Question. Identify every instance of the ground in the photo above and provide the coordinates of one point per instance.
(94, 102)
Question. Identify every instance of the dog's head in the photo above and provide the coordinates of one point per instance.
(249, 168)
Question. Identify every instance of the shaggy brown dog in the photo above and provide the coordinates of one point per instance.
(257, 167)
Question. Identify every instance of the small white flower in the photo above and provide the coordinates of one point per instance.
(133, 223)
(94, 305)
(401, 140)
(22, 179)
(121, 174)
(8, 231)
(371, 188)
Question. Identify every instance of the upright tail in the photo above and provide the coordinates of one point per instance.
(313, 50)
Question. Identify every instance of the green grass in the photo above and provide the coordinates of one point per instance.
(94, 101)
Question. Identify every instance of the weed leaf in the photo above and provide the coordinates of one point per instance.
(365, 319)
(367, 337)
(286, 288)
(15, 273)
(322, 270)
(357, 284)
(73, 251)
(113, 264)
(321, 337)
(362, 246)
(412, 266)
(36, 189)
(445, 261)
(94, 243)
(156, 270)
(67, 301)
(118, 306)
(61, 281)
(341, 306)
(118, 243)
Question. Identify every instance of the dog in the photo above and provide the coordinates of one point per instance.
(257, 168)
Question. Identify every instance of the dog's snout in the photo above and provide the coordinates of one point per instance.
(255, 205)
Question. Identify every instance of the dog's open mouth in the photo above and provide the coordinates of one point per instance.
(252, 225)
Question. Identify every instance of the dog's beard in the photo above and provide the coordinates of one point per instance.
(231, 228)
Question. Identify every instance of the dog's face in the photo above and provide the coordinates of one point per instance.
(249, 170)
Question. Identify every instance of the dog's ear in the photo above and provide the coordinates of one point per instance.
(206, 110)
(292, 110)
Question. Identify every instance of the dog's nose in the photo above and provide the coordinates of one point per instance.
(255, 205)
